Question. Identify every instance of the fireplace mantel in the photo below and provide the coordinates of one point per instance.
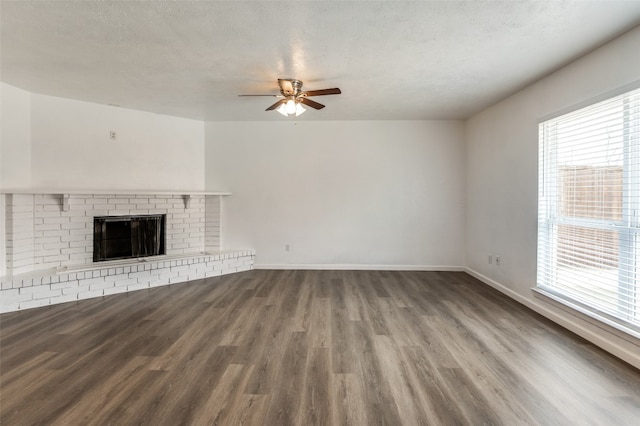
(53, 191)
(64, 194)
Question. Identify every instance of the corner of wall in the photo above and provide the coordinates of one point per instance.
(3, 239)
(15, 137)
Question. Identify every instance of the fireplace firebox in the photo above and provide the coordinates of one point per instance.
(125, 237)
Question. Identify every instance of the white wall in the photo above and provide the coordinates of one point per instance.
(55, 143)
(15, 137)
(501, 150)
(342, 194)
(15, 149)
(71, 148)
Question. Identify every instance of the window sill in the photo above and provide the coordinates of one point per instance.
(607, 324)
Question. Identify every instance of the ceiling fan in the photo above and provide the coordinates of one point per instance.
(292, 97)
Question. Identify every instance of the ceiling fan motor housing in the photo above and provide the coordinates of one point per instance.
(294, 89)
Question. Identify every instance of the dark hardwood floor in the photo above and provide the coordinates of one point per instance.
(307, 348)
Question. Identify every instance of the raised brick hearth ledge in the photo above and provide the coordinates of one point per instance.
(41, 288)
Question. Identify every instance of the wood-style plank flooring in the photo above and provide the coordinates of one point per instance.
(307, 348)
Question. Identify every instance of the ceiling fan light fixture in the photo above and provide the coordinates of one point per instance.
(291, 107)
(282, 109)
(292, 97)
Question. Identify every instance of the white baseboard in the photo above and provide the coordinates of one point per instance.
(359, 267)
(605, 340)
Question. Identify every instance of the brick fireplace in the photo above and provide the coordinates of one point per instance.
(49, 242)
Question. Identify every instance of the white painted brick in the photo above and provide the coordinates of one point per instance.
(55, 246)
(50, 216)
(9, 293)
(57, 220)
(73, 250)
(166, 276)
(63, 299)
(54, 259)
(90, 294)
(76, 200)
(75, 290)
(49, 199)
(36, 289)
(11, 299)
(25, 282)
(101, 286)
(92, 281)
(121, 282)
(163, 205)
(47, 227)
(228, 271)
(141, 274)
(80, 258)
(64, 284)
(54, 233)
(21, 251)
(158, 283)
(42, 293)
(47, 240)
(138, 286)
(12, 307)
(74, 225)
(34, 303)
(115, 290)
(178, 279)
(72, 238)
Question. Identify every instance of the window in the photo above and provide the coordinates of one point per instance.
(589, 208)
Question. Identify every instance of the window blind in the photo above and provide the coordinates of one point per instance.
(589, 207)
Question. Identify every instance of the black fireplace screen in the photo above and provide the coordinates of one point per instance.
(123, 237)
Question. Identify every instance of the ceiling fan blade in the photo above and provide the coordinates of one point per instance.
(273, 96)
(312, 104)
(334, 91)
(285, 86)
(276, 105)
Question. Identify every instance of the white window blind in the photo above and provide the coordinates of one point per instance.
(589, 208)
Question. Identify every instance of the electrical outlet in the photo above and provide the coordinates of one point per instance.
(287, 247)
(113, 135)
(497, 260)
(490, 259)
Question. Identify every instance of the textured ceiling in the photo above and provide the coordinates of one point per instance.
(392, 59)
